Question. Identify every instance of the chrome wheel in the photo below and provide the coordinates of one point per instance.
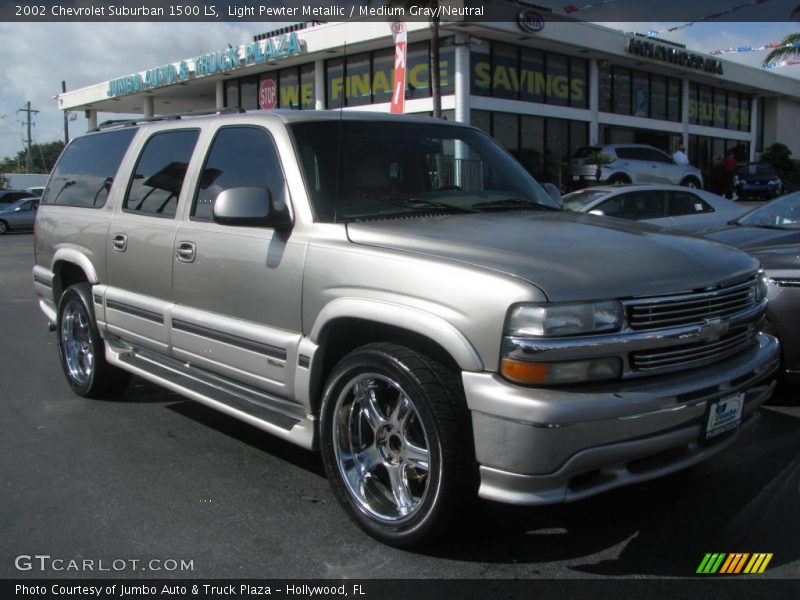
(381, 447)
(76, 342)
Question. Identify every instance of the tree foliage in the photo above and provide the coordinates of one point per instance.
(43, 157)
(786, 52)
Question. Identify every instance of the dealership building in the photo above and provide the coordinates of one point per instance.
(541, 84)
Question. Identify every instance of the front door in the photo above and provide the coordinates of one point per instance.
(237, 289)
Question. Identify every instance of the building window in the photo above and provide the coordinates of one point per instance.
(382, 73)
(505, 74)
(417, 71)
(658, 97)
(308, 87)
(674, 100)
(606, 85)
(358, 83)
(288, 88)
(578, 83)
(505, 129)
(720, 107)
(622, 91)
(334, 83)
(557, 79)
(641, 94)
(248, 93)
(232, 94)
(705, 107)
(744, 112)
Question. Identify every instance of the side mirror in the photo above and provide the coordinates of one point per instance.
(554, 192)
(251, 207)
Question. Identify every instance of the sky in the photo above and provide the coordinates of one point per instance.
(41, 55)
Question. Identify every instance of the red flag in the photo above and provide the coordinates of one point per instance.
(398, 105)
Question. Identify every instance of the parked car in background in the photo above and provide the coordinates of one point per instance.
(771, 233)
(629, 163)
(19, 215)
(665, 205)
(8, 197)
(757, 181)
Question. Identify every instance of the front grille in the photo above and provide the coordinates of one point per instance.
(694, 355)
(786, 282)
(691, 307)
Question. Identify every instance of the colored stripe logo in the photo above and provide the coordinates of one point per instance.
(734, 563)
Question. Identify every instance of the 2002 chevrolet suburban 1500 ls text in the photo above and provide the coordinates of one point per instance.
(400, 294)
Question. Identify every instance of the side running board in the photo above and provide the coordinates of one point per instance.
(278, 416)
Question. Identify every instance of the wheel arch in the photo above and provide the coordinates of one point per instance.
(69, 267)
(347, 324)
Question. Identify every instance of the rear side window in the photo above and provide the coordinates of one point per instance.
(86, 170)
(631, 154)
(159, 174)
(686, 203)
(239, 157)
(635, 205)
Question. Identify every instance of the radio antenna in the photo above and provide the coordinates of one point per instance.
(339, 141)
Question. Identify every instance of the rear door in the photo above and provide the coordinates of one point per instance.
(141, 240)
(237, 289)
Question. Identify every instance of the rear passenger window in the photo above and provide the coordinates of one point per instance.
(239, 157)
(84, 173)
(635, 205)
(686, 203)
(158, 178)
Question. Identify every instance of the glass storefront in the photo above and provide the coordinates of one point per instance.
(715, 107)
(543, 145)
(663, 140)
(517, 73)
(706, 153)
(626, 91)
(366, 78)
(296, 89)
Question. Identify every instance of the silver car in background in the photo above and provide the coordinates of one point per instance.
(629, 163)
(19, 215)
(665, 205)
(771, 233)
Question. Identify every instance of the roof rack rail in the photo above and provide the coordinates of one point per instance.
(173, 117)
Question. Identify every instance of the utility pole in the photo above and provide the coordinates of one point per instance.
(28, 155)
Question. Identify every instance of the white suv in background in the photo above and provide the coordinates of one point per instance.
(630, 163)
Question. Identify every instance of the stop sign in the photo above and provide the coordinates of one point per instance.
(268, 94)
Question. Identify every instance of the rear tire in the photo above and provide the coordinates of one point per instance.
(82, 350)
(690, 182)
(396, 444)
(3, 227)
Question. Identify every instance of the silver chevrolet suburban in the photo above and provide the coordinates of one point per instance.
(401, 295)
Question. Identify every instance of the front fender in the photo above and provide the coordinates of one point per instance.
(404, 317)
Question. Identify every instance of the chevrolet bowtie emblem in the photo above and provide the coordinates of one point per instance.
(712, 330)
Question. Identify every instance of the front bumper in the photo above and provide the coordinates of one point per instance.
(545, 446)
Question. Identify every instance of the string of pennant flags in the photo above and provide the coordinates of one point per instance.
(710, 17)
(572, 8)
(781, 63)
(742, 49)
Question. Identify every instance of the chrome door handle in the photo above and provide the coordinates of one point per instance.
(185, 251)
(119, 242)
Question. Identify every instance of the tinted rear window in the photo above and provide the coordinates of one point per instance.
(86, 170)
(756, 169)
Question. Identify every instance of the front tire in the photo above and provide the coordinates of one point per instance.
(82, 350)
(395, 443)
(3, 227)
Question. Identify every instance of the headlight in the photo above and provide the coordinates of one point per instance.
(762, 282)
(556, 320)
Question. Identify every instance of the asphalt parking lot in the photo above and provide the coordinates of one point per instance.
(154, 476)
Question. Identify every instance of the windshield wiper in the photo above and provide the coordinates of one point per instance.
(514, 203)
(411, 201)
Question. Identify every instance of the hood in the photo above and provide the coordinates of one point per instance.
(569, 256)
(774, 248)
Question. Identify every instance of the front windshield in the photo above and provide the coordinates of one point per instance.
(390, 169)
(579, 200)
(783, 213)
